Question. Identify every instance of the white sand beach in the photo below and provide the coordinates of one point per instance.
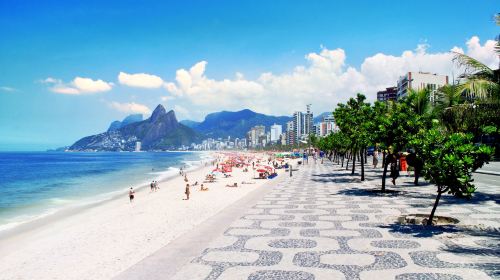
(104, 240)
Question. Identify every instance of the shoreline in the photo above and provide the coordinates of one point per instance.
(103, 240)
(93, 201)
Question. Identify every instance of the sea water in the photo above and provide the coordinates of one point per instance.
(37, 184)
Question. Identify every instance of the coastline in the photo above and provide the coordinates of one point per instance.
(107, 238)
(50, 214)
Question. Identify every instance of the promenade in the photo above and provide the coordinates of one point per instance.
(323, 223)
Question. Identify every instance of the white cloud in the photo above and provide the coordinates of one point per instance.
(8, 89)
(78, 86)
(483, 53)
(131, 107)
(181, 112)
(323, 81)
(141, 80)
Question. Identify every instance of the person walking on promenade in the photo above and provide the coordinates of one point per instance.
(403, 164)
(187, 192)
(375, 158)
(393, 160)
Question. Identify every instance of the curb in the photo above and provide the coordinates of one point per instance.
(487, 172)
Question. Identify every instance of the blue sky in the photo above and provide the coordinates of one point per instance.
(97, 40)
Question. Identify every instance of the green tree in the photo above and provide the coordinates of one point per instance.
(449, 160)
(352, 119)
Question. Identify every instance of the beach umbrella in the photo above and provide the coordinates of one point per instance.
(261, 170)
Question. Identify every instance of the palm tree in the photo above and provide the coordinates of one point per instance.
(420, 101)
(448, 96)
(479, 81)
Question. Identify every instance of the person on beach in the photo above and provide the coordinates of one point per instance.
(187, 192)
(235, 185)
(152, 186)
(131, 193)
(185, 178)
(375, 158)
(202, 188)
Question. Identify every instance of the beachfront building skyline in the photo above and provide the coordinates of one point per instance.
(418, 81)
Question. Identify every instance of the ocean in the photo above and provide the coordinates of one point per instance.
(36, 184)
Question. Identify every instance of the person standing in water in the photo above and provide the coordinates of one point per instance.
(131, 193)
(187, 192)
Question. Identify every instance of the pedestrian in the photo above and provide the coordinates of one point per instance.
(403, 164)
(152, 186)
(131, 193)
(393, 160)
(187, 192)
(375, 158)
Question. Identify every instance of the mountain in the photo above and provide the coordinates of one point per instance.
(319, 118)
(126, 121)
(191, 124)
(160, 132)
(235, 124)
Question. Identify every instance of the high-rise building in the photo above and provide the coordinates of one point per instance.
(418, 81)
(326, 126)
(389, 93)
(308, 121)
(276, 130)
(290, 133)
(303, 124)
(255, 134)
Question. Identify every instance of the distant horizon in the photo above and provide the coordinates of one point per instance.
(99, 62)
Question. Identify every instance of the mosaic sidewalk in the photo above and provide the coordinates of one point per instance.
(322, 223)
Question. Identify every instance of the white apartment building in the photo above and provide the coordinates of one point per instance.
(303, 124)
(327, 126)
(418, 81)
(276, 131)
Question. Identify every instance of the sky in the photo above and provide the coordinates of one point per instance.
(70, 68)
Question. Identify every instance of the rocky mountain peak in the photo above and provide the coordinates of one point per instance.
(158, 113)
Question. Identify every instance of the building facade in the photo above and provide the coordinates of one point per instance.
(389, 93)
(303, 124)
(326, 126)
(255, 136)
(276, 131)
(418, 81)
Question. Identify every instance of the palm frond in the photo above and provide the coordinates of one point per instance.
(479, 88)
(471, 65)
(448, 96)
